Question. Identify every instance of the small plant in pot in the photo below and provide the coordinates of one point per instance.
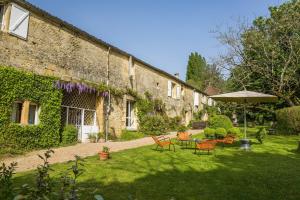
(104, 154)
(93, 137)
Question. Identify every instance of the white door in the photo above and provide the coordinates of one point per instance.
(130, 117)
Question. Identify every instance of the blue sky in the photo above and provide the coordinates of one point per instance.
(160, 32)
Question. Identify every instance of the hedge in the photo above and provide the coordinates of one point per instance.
(288, 120)
(18, 85)
(220, 121)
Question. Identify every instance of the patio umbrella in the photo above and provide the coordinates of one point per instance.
(244, 97)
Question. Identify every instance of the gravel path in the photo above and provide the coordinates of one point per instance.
(63, 154)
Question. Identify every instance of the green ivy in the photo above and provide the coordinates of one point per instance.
(19, 85)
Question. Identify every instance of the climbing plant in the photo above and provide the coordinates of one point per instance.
(18, 85)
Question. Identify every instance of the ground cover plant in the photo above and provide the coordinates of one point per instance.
(270, 171)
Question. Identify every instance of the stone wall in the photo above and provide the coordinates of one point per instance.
(53, 49)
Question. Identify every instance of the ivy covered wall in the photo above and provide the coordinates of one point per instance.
(18, 85)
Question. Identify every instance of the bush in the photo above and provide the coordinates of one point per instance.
(209, 132)
(182, 128)
(261, 134)
(131, 135)
(69, 135)
(153, 125)
(173, 122)
(288, 120)
(234, 131)
(220, 132)
(220, 121)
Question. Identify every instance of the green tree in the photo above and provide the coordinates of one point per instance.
(196, 70)
(265, 56)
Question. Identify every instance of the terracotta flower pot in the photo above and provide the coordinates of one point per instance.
(103, 155)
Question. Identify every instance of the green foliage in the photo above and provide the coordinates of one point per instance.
(173, 122)
(270, 46)
(234, 131)
(153, 125)
(18, 85)
(105, 149)
(288, 120)
(6, 173)
(220, 132)
(260, 135)
(220, 121)
(69, 134)
(195, 68)
(182, 128)
(131, 135)
(44, 186)
(93, 137)
(209, 132)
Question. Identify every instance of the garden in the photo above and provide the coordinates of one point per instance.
(269, 171)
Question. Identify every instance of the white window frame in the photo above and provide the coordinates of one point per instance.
(129, 114)
(36, 115)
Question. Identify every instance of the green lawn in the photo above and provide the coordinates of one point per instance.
(269, 171)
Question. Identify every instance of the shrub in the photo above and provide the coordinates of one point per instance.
(182, 128)
(173, 122)
(220, 132)
(261, 134)
(234, 131)
(69, 134)
(220, 121)
(153, 125)
(288, 120)
(209, 132)
(131, 135)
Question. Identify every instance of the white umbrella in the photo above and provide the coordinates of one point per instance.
(245, 97)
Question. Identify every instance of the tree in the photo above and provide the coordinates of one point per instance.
(200, 74)
(265, 56)
(195, 70)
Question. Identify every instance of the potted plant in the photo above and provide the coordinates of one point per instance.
(92, 137)
(104, 154)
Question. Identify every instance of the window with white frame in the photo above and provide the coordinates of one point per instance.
(129, 114)
(17, 112)
(33, 114)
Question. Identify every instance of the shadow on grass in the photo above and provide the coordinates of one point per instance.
(238, 175)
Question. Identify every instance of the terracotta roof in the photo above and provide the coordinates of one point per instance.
(210, 90)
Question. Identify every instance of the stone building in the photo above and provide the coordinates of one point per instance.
(34, 40)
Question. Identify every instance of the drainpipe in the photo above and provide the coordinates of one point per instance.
(108, 103)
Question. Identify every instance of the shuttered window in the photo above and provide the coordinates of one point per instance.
(18, 23)
(169, 88)
(178, 92)
(196, 99)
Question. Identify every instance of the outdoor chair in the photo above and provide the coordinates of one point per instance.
(162, 141)
(207, 145)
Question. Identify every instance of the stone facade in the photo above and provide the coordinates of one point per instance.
(58, 49)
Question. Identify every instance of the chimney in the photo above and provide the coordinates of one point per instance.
(176, 75)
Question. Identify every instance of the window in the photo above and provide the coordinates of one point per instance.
(25, 113)
(173, 89)
(33, 114)
(1, 15)
(19, 20)
(17, 112)
(129, 114)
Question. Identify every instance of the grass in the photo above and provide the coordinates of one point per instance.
(269, 171)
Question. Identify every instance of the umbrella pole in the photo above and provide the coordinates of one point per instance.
(245, 122)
